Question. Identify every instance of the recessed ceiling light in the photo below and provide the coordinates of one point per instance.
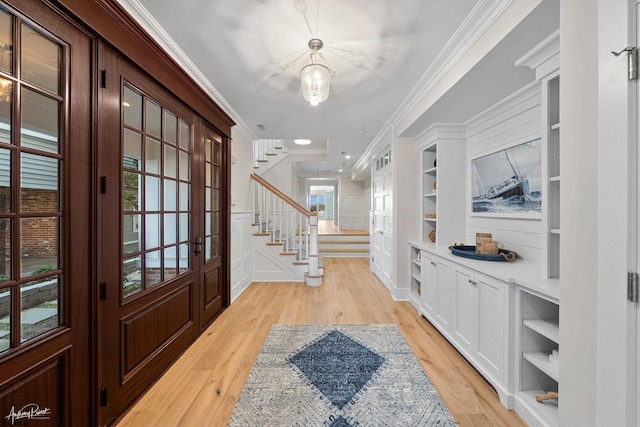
(302, 141)
(347, 156)
(339, 170)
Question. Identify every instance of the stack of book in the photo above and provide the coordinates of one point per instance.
(554, 357)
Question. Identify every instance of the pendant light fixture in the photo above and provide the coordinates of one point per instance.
(315, 78)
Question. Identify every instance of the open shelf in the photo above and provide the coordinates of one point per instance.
(555, 126)
(555, 178)
(547, 410)
(541, 361)
(431, 171)
(431, 219)
(547, 328)
(434, 194)
(554, 231)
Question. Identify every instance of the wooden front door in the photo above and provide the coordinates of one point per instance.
(148, 215)
(45, 218)
(214, 290)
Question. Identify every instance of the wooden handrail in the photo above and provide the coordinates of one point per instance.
(280, 194)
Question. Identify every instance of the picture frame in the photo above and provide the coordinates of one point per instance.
(508, 182)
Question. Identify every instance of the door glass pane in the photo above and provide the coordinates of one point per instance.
(184, 258)
(207, 174)
(184, 166)
(132, 150)
(152, 270)
(184, 196)
(5, 180)
(207, 222)
(6, 97)
(170, 161)
(132, 275)
(153, 119)
(214, 246)
(216, 177)
(38, 307)
(216, 154)
(207, 245)
(40, 122)
(170, 229)
(170, 195)
(131, 191)
(152, 231)
(184, 227)
(5, 250)
(5, 319)
(131, 234)
(152, 194)
(39, 183)
(170, 127)
(214, 223)
(132, 108)
(6, 43)
(152, 156)
(185, 133)
(39, 247)
(40, 60)
(170, 262)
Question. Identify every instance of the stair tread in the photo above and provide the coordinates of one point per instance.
(343, 250)
(262, 234)
(343, 242)
(288, 253)
(275, 243)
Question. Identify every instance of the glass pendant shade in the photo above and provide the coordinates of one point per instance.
(316, 82)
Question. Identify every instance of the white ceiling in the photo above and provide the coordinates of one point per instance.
(251, 52)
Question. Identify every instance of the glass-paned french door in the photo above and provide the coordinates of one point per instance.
(32, 102)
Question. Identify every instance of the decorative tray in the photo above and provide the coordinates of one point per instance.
(470, 252)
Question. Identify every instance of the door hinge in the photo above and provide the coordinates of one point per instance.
(632, 61)
(103, 291)
(103, 185)
(103, 396)
(632, 287)
(197, 247)
(103, 77)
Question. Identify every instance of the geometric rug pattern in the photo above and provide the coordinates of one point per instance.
(338, 376)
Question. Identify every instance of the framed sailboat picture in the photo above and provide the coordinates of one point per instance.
(508, 182)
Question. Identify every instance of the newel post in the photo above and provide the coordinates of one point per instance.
(313, 277)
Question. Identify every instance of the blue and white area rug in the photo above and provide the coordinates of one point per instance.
(338, 376)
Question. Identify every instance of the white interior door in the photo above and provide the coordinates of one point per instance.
(381, 241)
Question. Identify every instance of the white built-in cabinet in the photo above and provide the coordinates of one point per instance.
(480, 322)
(502, 317)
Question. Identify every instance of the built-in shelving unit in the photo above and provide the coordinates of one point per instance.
(539, 371)
(443, 187)
(429, 177)
(552, 86)
(416, 275)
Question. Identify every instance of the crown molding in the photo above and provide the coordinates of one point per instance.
(142, 16)
(481, 18)
(544, 58)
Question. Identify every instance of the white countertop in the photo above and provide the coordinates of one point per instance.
(519, 272)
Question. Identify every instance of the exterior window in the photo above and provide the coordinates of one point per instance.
(31, 164)
(156, 188)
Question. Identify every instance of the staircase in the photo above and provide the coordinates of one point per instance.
(266, 153)
(285, 237)
(344, 245)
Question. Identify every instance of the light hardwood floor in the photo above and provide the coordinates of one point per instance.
(202, 387)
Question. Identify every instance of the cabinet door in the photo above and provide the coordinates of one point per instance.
(491, 324)
(465, 308)
(443, 294)
(429, 284)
